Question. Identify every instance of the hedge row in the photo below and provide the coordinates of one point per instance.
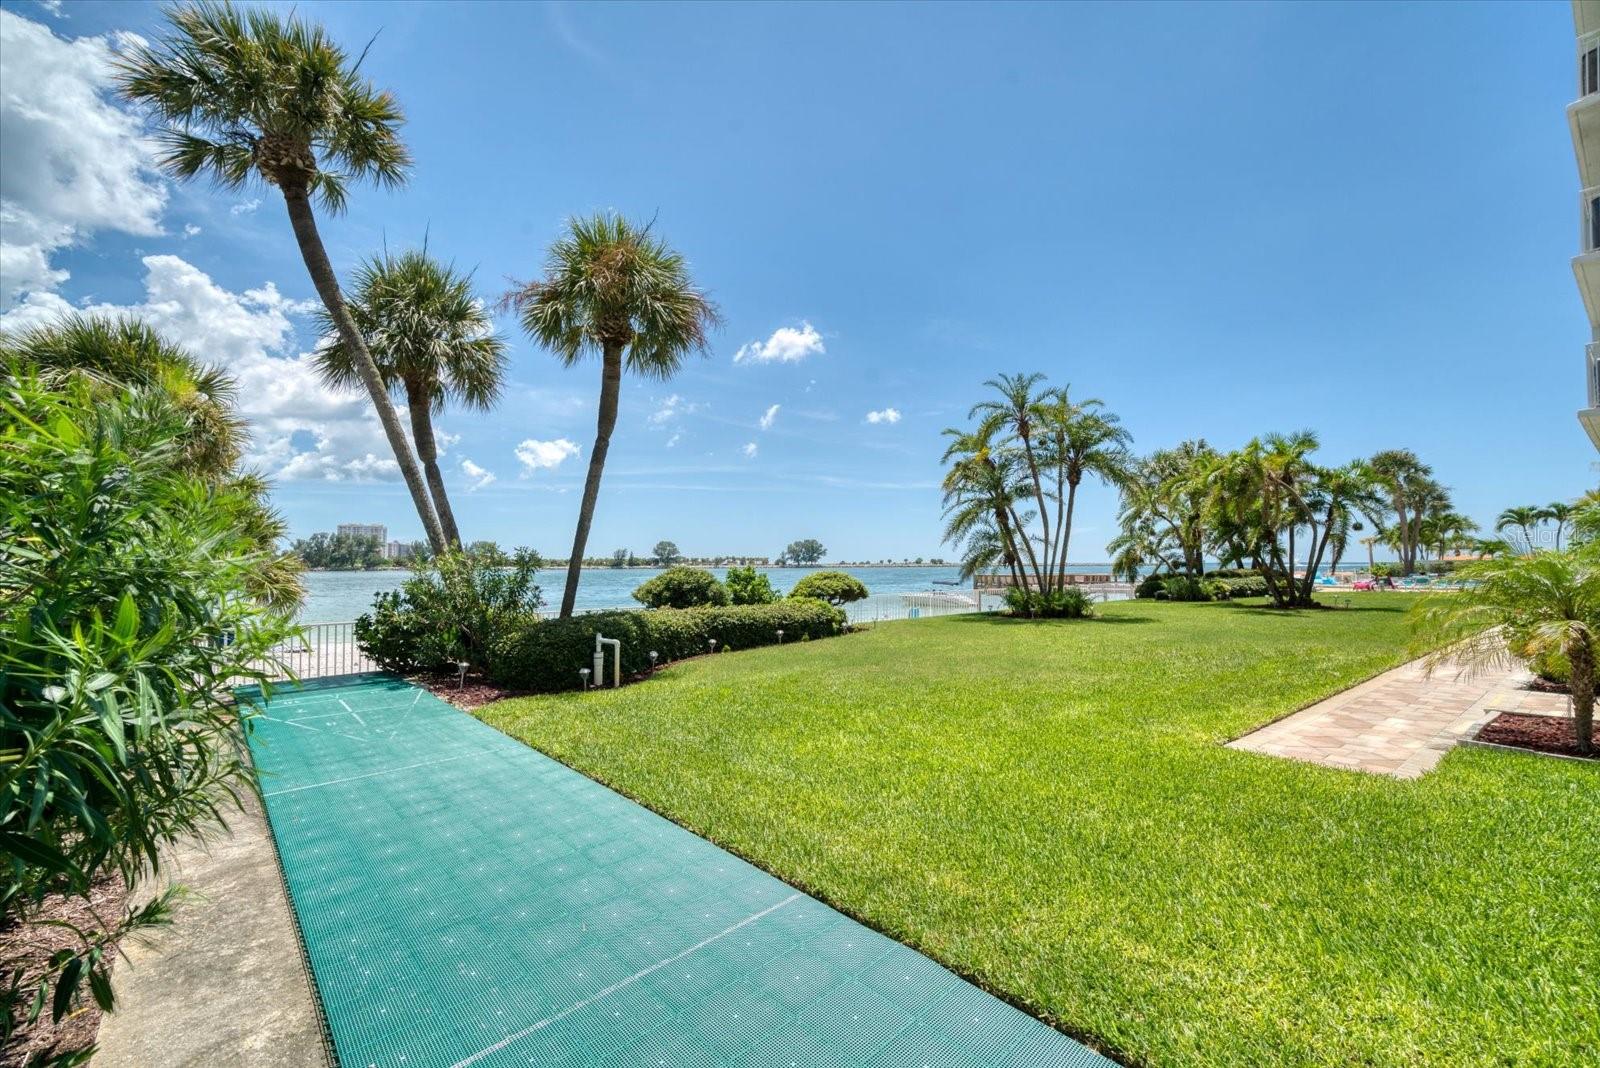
(546, 655)
(1188, 588)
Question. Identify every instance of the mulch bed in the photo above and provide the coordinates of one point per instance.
(475, 694)
(1542, 734)
(33, 943)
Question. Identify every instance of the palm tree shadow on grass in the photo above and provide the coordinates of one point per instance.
(997, 619)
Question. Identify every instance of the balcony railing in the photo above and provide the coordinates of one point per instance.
(1592, 372)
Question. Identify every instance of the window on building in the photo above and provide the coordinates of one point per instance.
(1594, 224)
(1589, 68)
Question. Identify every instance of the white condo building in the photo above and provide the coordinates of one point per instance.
(365, 530)
(1583, 115)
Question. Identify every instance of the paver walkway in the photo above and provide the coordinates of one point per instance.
(466, 901)
(1399, 723)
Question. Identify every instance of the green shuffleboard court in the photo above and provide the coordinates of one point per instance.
(466, 901)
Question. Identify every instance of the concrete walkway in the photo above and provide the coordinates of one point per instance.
(225, 983)
(1400, 723)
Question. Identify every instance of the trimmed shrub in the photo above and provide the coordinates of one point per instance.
(682, 587)
(546, 655)
(1226, 589)
(1233, 573)
(1070, 603)
(746, 585)
(1150, 585)
(835, 587)
(1183, 588)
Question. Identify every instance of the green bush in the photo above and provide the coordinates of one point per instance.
(746, 585)
(1069, 603)
(1385, 570)
(1150, 585)
(546, 655)
(134, 596)
(1225, 589)
(452, 609)
(1550, 665)
(682, 587)
(835, 587)
(1233, 573)
(1183, 588)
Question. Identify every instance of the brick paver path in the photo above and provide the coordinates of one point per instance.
(1400, 723)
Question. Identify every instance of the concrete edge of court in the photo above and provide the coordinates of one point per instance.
(226, 982)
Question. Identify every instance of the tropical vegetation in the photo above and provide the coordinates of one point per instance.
(1010, 493)
(249, 94)
(835, 587)
(432, 341)
(681, 587)
(613, 289)
(140, 582)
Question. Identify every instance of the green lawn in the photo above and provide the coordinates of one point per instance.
(1045, 808)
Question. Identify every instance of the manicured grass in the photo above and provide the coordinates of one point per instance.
(1045, 808)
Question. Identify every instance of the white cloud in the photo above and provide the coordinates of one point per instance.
(749, 450)
(534, 454)
(478, 476)
(768, 416)
(300, 428)
(672, 408)
(444, 440)
(885, 415)
(245, 207)
(71, 162)
(786, 345)
(677, 436)
(191, 230)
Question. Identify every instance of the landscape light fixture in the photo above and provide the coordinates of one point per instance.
(584, 674)
(713, 645)
(653, 655)
(780, 635)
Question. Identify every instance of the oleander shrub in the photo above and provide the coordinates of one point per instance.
(137, 589)
(546, 655)
(746, 585)
(835, 587)
(1068, 603)
(681, 587)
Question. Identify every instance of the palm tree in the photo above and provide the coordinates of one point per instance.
(1082, 439)
(1412, 493)
(1524, 519)
(980, 499)
(432, 340)
(1016, 414)
(1560, 514)
(613, 289)
(250, 94)
(1542, 602)
(121, 352)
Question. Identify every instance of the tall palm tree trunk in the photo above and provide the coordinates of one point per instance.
(1064, 523)
(1044, 516)
(610, 388)
(327, 286)
(419, 404)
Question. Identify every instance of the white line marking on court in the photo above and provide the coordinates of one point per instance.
(347, 708)
(614, 987)
(293, 723)
(367, 775)
(357, 717)
(406, 714)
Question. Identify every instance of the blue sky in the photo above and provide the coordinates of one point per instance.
(1222, 220)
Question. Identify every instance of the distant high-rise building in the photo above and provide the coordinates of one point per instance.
(365, 530)
(1583, 115)
(397, 550)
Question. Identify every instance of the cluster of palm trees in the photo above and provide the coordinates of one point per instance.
(1528, 521)
(1013, 478)
(244, 95)
(1264, 506)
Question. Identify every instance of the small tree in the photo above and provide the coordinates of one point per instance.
(835, 587)
(1521, 607)
(682, 587)
(746, 585)
(804, 551)
(666, 553)
(619, 557)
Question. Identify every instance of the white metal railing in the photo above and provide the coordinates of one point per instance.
(323, 650)
(1592, 372)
